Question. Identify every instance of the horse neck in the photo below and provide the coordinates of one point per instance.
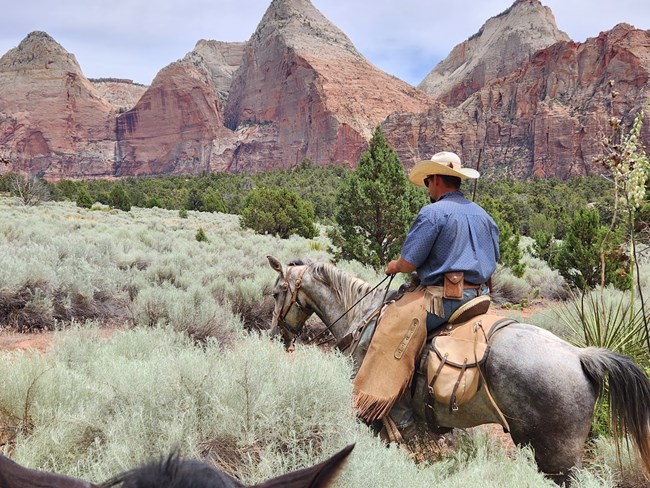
(333, 293)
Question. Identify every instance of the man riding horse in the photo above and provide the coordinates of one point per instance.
(453, 245)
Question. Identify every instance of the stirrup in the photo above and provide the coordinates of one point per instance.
(476, 306)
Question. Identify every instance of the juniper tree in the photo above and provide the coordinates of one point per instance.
(278, 212)
(375, 207)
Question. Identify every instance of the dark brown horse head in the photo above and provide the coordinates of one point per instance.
(175, 472)
(172, 472)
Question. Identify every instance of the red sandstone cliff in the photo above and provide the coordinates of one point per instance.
(304, 91)
(545, 119)
(503, 44)
(177, 125)
(53, 122)
(299, 89)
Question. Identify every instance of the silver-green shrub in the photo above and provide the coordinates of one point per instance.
(91, 408)
(60, 262)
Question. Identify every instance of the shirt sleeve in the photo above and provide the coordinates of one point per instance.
(419, 240)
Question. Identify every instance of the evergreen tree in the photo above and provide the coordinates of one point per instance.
(509, 246)
(84, 199)
(194, 200)
(579, 256)
(375, 207)
(279, 212)
(544, 247)
(119, 198)
(212, 202)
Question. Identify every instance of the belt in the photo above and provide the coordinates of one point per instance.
(466, 285)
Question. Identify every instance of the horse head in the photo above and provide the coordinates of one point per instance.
(291, 309)
(175, 472)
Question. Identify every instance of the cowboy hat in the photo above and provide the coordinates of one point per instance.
(442, 163)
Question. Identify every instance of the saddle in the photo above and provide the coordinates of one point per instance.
(389, 365)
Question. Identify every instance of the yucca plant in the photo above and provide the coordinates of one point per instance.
(606, 318)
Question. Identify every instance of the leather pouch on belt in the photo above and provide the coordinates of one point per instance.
(453, 285)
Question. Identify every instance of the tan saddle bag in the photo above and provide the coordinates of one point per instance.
(453, 372)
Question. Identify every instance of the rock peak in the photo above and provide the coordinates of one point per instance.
(504, 43)
(40, 50)
(303, 27)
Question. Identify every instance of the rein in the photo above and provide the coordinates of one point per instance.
(329, 327)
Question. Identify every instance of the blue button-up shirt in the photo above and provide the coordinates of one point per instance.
(452, 234)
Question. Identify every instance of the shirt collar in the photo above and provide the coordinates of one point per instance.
(452, 194)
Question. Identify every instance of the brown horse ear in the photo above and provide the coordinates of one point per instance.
(13, 475)
(275, 264)
(318, 476)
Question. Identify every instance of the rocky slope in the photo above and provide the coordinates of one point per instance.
(546, 118)
(177, 125)
(501, 46)
(121, 94)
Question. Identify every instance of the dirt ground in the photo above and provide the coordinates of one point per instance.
(41, 341)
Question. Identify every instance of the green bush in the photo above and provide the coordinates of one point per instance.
(84, 199)
(200, 235)
(278, 212)
(511, 255)
(578, 257)
(119, 198)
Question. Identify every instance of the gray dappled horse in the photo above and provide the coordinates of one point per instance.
(172, 472)
(545, 387)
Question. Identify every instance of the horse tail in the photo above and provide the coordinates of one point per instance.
(628, 395)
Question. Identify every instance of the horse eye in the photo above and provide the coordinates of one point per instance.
(275, 295)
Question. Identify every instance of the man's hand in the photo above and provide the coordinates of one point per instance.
(399, 265)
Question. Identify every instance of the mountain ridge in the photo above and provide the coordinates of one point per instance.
(298, 89)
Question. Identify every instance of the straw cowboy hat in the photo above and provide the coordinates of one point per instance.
(442, 163)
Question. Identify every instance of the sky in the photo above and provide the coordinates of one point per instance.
(134, 39)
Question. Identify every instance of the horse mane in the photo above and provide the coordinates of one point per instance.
(173, 472)
(347, 288)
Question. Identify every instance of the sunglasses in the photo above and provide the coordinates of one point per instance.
(427, 180)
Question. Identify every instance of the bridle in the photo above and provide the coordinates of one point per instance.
(281, 316)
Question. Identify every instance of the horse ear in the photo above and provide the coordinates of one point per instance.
(13, 475)
(275, 264)
(318, 476)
